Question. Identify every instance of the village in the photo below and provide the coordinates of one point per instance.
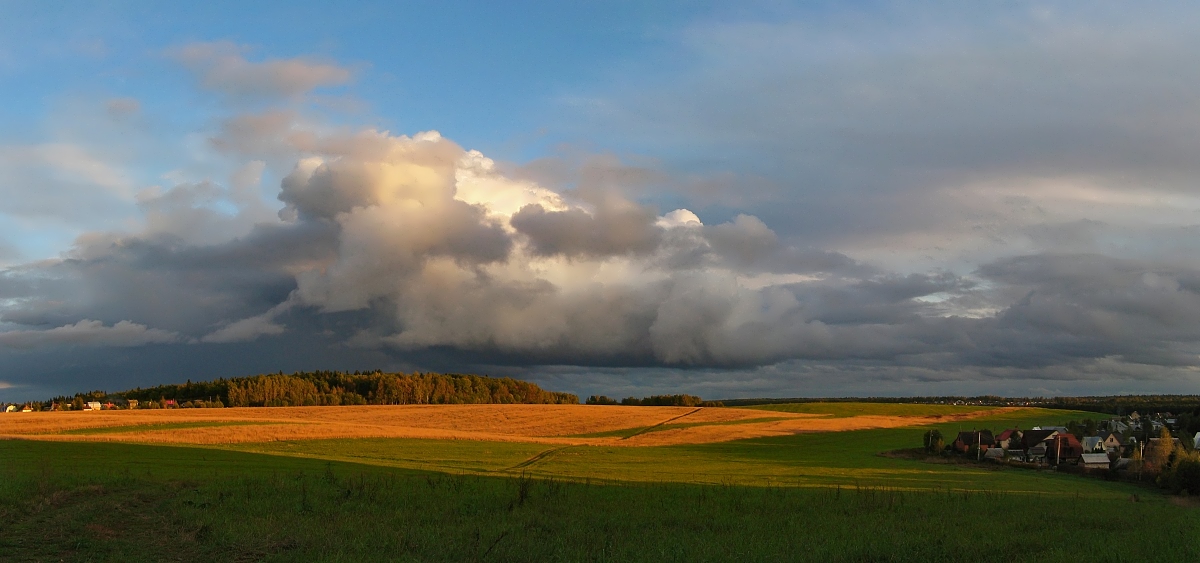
(1132, 447)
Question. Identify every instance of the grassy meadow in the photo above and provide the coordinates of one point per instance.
(814, 496)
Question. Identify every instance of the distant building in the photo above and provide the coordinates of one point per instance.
(1009, 439)
(1093, 444)
(13, 408)
(133, 403)
(1064, 447)
(1095, 461)
(1113, 441)
(967, 439)
(92, 406)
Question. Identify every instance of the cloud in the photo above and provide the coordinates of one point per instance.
(246, 330)
(220, 66)
(122, 107)
(87, 333)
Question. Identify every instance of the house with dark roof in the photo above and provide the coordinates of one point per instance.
(1092, 444)
(1113, 441)
(965, 440)
(1063, 448)
(1034, 444)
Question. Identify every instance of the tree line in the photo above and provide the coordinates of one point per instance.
(655, 401)
(318, 388)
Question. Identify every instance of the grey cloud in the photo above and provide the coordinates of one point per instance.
(615, 228)
(221, 66)
(87, 333)
(878, 134)
(122, 107)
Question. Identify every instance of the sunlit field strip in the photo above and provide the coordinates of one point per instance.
(548, 424)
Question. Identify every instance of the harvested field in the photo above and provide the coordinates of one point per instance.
(550, 424)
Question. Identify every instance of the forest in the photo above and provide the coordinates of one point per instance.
(330, 388)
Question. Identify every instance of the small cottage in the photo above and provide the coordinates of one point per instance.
(982, 438)
(1095, 461)
(1092, 444)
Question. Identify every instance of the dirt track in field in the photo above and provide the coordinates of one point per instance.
(550, 424)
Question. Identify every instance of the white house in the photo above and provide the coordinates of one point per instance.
(93, 405)
(1092, 443)
(13, 408)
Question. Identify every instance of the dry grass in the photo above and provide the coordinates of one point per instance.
(552, 424)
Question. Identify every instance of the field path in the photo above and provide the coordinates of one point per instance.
(667, 421)
(539, 457)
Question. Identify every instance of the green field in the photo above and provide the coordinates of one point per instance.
(842, 410)
(817, 497)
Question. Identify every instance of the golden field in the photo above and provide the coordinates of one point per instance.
(550, 424)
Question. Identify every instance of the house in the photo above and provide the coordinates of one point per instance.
(1095, 461)
(1113, 441)
(1009, 439)
(1093, 444)
(133, 403)
(13, 408)
(1118, 426)
(27, 408)
(1059, 429)
(994, 454)
(1063, 447)
(169, 403)
(1034, 443)
(92, 405)
(1032, 438)
(967, 439)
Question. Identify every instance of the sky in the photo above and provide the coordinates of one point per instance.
(750, 199)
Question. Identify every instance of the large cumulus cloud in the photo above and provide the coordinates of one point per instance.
(430, 247)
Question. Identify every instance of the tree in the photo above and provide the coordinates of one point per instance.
(934, 442)
(1160, 457)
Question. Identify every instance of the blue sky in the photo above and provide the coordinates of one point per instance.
(726, 199)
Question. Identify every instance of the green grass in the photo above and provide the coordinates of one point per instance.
(109, 502)
(162, 426)
(843, 410)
